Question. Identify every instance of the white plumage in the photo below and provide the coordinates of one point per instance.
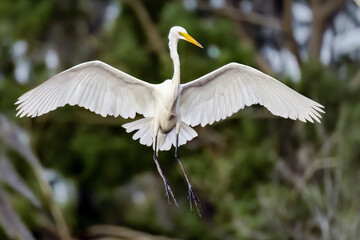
(169, 108)
(230, 88)
(93, 85)
(108, 91)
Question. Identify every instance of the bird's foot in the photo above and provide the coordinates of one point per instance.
(169, 193)
(193, 198)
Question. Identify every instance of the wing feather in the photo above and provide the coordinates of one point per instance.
(230, 88)
(93, 85)
(228, 109)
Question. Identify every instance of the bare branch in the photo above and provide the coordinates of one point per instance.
(287, 26)
(14, 139)
(332, 7)
(249, 17)
(260, 62)
(355, 81)
(10, 221)
(235, 16)
(323, 12)
(150, 30)
(117, 232)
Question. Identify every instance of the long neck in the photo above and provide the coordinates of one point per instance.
(173, 42)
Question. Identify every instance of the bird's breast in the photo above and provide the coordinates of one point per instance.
(166, 118)
(168, 123)
(166, 107)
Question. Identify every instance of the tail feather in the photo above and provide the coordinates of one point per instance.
(186, 134)
(165, 141)
(135, 125)
(144, 130)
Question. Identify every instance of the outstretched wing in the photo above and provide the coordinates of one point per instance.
(230, 88)
(93, 85)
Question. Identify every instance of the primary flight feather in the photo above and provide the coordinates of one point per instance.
(170, 109)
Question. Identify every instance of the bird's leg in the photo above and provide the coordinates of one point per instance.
(193, 198)
(167, 186)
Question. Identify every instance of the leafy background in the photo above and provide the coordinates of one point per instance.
(73, 174)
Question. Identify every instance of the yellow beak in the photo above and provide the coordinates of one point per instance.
(190, 39)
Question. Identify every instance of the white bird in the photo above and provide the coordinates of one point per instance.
(170, 109)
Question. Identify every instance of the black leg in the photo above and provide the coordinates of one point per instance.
(192, 195)
(167, 186)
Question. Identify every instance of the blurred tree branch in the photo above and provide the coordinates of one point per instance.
(151, 32)
(10, 221)
(287, 26)
(236, 16)
(15, 138)
(323, 11)
(249, 17)
(355, 81)
(260, 62)
(117, 232)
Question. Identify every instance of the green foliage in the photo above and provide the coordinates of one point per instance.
(259, 177)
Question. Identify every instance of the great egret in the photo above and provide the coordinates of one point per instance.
(170, 109)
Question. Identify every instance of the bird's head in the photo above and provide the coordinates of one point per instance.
(181, 33)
